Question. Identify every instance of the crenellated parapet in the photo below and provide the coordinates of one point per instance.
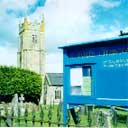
(34, 26)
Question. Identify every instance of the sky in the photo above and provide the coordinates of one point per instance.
(66, 21)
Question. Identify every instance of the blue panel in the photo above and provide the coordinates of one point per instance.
(106, 62)
(112, 83)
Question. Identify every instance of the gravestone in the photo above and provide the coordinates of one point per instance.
(21, 105)
(14, 104)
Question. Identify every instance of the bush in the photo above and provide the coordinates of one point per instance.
(15, 80)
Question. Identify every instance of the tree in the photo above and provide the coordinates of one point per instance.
(16, 80)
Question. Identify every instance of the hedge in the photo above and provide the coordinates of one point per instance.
(16, 80)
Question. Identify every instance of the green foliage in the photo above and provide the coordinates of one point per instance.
(16, 80)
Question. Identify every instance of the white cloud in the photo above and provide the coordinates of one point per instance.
(66, 21)
(108, 4)
(54, 62)
(8, 56)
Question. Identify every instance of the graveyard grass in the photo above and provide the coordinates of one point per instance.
(33, 118)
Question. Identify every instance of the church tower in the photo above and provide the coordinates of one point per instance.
(31, 51)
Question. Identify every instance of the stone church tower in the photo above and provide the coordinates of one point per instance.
(31, 51)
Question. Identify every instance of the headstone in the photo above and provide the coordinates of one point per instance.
(14, 104)
(103, 119)
(2, 112)
(21, 104)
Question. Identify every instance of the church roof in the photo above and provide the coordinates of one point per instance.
(55, 79)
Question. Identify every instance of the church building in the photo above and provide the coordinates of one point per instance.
(31, 50)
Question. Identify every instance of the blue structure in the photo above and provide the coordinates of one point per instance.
(96, 73)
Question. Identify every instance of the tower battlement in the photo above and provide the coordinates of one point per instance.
(28, 25)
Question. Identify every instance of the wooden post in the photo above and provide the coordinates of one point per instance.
(33, 116)
(12, 116)
(50, 115)
(19, 112)
(89, 116)
(26, 115)
(41, 115)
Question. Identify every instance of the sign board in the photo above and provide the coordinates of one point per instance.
(96, 72)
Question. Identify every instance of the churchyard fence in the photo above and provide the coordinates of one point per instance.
(31, 115)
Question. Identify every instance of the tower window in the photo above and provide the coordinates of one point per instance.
(34, 38)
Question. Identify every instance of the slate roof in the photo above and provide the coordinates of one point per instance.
(55, 79)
